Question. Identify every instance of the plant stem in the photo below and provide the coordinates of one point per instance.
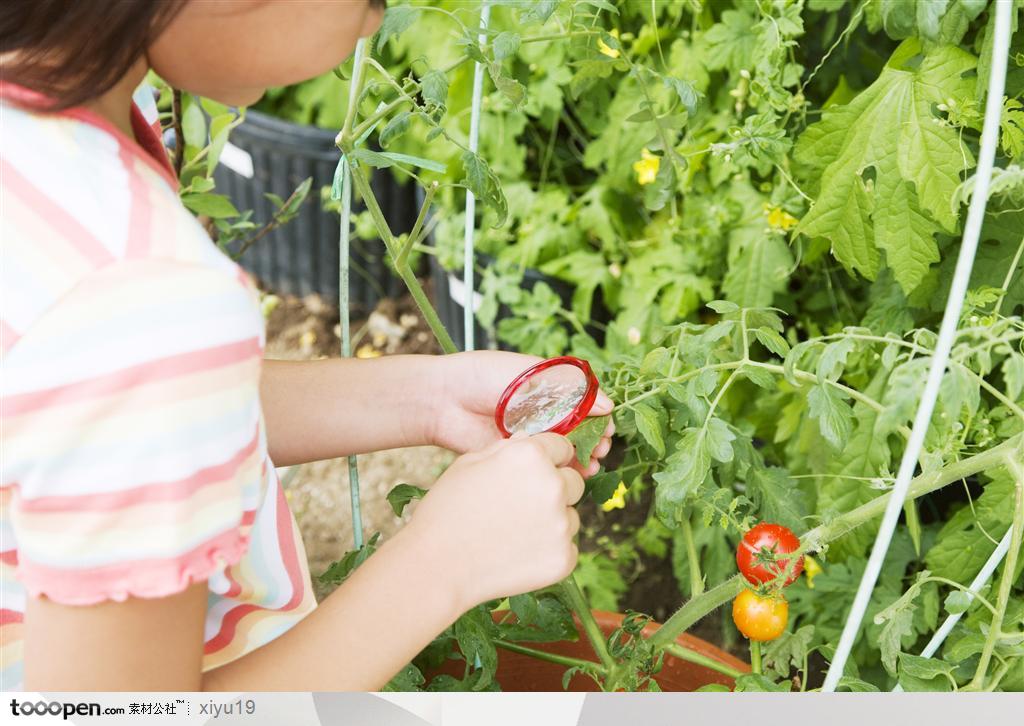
(1006, 583)
(179, 135)
(414, 234)
(1009, 277)
(755, 656)
(579, 605)
(696, 579)
(569, 662)
(408, 277)
(694, 610)
(922, 484)
(692, 656)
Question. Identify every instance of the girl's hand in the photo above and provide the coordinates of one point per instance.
(500, 521)
(467, 394)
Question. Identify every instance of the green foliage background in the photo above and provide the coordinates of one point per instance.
(764, 304)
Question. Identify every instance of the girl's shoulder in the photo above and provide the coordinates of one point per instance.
(82, 201)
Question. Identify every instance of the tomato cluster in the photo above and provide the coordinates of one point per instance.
(761, 614)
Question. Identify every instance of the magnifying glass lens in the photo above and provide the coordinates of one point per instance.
(544, 399)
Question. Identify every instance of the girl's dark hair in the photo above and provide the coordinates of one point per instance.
(75, 51)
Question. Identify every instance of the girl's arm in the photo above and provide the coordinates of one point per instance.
(330, 408)
(326, 409)
(375, 623)
(498, 522)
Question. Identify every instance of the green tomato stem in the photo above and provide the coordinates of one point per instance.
(587, 665)
(578, 603)
(692, 656)
(693, 559)
(755, 656)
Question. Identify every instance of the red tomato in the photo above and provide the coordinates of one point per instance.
(759, 555)
(760, 618)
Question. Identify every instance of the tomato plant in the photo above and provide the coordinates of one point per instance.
(767, 198)
(759, 554)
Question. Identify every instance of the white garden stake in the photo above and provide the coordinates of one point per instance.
(469, 296)
(947, 334)
(345, 231)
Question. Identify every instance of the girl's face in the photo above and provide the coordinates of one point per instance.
(233, 50)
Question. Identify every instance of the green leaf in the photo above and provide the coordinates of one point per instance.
(777, 497)
(541, 618)
(397, 19)
(473, 634)
(509, 87)
(758, 271)
(864, 156)
(732, 41)
(686, 470)
(689, 96)
(969, 537)
(772, 341)
(758, 683)
(600, 487)
(394, 128)
(832, 412)
(855, 685)
(506, 44)
(925, 674)
(957, 602)
(718, 438)
(788, 651)
(339, 571)
(385, 159)
(401, 495)
(408, 679)
(434, 88)
(215, 206)
(587, 436)
(193, 124)
(484, 185)
(723, 307)
(759, 377)
(648, 423)
(897, 621)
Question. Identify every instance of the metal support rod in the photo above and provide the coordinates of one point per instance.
(468, 258)
(345, 231)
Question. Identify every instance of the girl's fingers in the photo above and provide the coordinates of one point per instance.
(602, 405)
(602, 449)
(573, 484)
(574, 522)
(610, 429)
(592, 468)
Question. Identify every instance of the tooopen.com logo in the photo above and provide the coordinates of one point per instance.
(56, 708)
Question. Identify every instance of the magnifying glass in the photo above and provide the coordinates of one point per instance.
(553, 396)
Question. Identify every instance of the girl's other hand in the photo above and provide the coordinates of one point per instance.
(500, 521)
(466, 394)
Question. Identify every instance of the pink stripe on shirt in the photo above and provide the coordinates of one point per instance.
(159, 369)
(167, 491)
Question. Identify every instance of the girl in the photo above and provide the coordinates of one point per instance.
(146, 542)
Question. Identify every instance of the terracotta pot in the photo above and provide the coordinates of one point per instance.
(517, 672)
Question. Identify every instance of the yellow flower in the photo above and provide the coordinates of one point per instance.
(605, 48)
(647, 168)
(811, 569)
(367, 351)
(616, 500)
(779, 218)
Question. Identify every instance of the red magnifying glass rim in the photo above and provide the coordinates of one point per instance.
(575, 416)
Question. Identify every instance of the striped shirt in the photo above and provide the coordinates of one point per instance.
(133, 455)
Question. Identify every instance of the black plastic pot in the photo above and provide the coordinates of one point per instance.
(301, 257)
(448, 299)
